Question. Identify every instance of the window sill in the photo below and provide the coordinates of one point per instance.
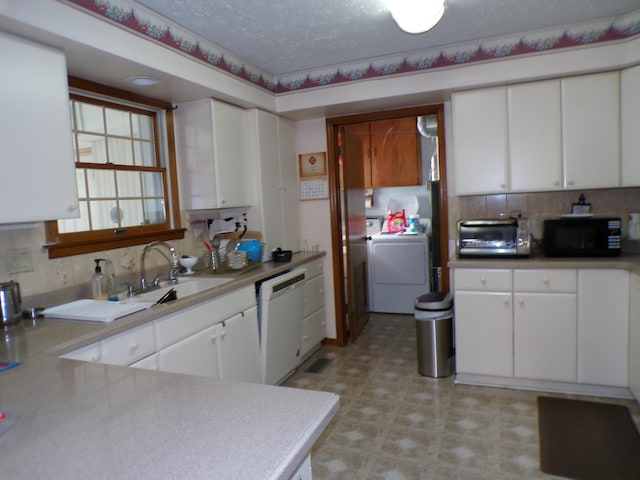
(67, 249)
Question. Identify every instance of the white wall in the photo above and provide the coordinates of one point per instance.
(315, 219)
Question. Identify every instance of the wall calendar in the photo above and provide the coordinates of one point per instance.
(314, 180)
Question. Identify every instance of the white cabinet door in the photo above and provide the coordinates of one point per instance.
(484, 333)
(35, 134)
(591, 130)
(630, 119)
(239, 348)
(314, 330)
(535, 144)
(603, 327)
(129, 346)
(634, 335)
(544, 332)
(213, 155)
(195, 355)
(276, 210)
(480, 141)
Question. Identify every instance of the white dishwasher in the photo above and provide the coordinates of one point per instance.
(281, 301)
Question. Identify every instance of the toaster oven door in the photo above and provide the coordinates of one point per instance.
(487, 238)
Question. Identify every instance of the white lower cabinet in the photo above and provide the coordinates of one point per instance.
(239, 347)
(544, 324)
(484, 333)
(195, 355)
(634, 335)
(215, 339)
(314, 323)
(554, 325)
(603, 327)
(304, 472)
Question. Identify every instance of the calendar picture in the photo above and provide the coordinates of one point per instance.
(314, 181)
(313, 165)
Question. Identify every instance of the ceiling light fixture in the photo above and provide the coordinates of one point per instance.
(142, 81)
(416, 16)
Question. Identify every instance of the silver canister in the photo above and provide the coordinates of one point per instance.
(10, 303)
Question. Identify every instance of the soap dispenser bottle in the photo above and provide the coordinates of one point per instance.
(99, 282)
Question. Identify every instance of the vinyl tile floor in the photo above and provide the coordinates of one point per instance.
(395, 424)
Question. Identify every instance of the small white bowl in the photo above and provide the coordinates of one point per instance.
(188, 262)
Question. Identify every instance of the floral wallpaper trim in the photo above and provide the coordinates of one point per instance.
(161, 30)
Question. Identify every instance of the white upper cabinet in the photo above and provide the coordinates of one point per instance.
(275, 175)
(535, 151)
(35, 134)
(480, 141)
(591, 131)
(630, 115)
(213, 155)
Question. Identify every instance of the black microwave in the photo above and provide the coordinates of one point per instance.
(582, 237)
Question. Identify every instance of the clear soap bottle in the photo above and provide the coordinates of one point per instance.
(99, 282)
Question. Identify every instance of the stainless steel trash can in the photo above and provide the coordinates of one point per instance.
(434, 327)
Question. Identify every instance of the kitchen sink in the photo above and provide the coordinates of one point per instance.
(186, 286)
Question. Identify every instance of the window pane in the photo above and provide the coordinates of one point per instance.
(80, 181)
(76, 224)
(142, 126)
(89, 118)
(101, 183)
(118, 122)
(155, 211)
(144, 153)
(91, 148)
(152, 183)
(101, 214)
(132, 213)
(129, 184)
(120, 151)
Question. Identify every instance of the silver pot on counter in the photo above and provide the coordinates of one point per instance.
(10, 304)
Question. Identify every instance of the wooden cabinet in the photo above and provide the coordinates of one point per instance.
(213, 155)
(603, 327)
(591, 131)
(314, 324)
(630, 119)
(391, 152)
(544, 324)
(35, 134)
(483, 319)
(274, 211)
(535, 145)
(480, 152)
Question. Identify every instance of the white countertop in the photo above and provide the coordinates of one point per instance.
(88, 420)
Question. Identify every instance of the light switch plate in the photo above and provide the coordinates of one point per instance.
(19, 260)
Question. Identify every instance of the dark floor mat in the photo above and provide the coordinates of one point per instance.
(318, 366)
(587, 440)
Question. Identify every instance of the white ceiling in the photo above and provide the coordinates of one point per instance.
(284, 36)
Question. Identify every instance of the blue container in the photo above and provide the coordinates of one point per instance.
(253, 249)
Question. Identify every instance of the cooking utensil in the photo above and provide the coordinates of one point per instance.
(10, 303)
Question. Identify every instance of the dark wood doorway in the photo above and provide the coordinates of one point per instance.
(337, 195)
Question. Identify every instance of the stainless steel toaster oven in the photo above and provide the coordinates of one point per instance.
(504, 237)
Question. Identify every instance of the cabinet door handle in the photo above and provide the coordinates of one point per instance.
(546, 281)
(213, 338)
(483, 280)
(521, 302)
(95, 358)
(503, 186)
(134, 346)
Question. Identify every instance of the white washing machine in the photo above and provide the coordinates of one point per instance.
(399, 271)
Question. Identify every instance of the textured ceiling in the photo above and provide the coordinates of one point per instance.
(284, 36)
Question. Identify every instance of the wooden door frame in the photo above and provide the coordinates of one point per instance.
(335, 200)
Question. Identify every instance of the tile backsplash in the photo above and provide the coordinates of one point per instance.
(617, 202)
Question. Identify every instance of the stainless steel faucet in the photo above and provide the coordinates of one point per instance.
(173, 262)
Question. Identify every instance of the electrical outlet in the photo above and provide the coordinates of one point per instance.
(19, 260)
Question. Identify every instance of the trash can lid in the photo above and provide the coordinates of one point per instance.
(434, 301)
